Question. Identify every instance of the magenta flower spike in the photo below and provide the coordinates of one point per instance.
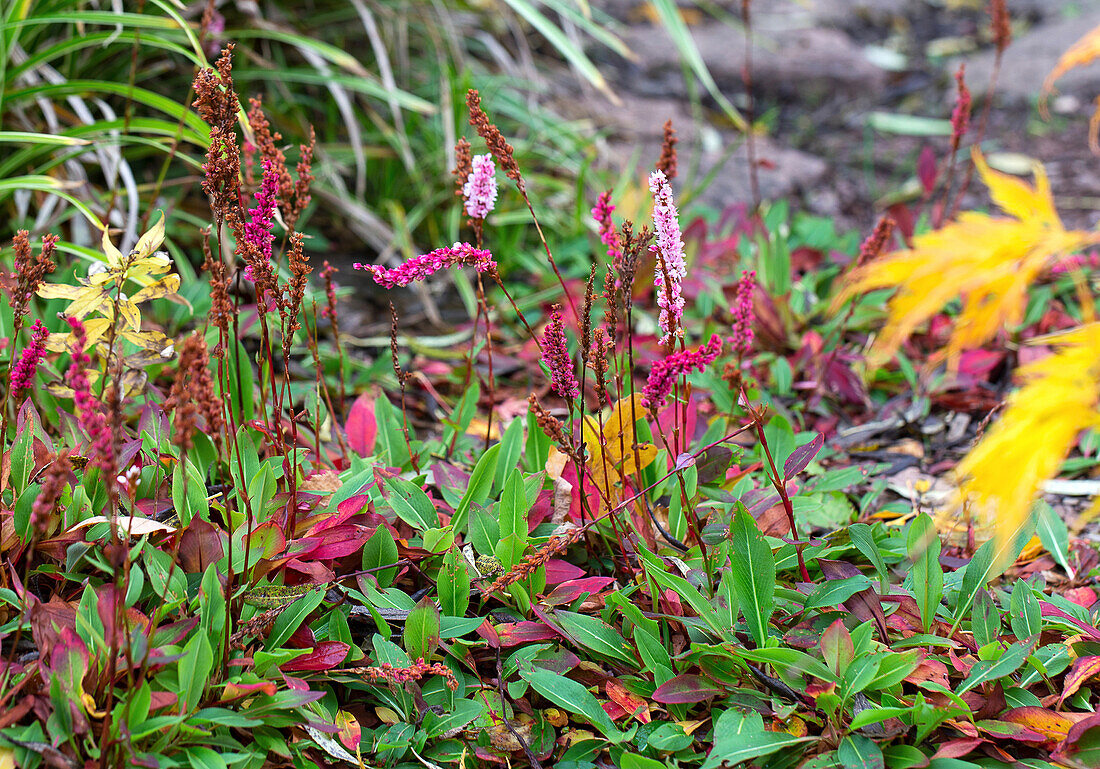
(663, 375)
(609, 236)
(670, 250)
(27, 366)
(262, 218)
(555, 354)
(480, 189)
(420, 267)
(741, 341)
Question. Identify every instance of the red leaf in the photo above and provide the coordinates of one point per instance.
(1082, 596)
(361, 427)
(958, 748)
(926, 168)
(558, 571)
(568, 592)
(336, 542)
(325, 656)
(685, 689)
(1083, 669)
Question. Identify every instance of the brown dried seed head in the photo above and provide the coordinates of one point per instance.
(667, 161)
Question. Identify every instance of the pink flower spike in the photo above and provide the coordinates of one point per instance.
(663, 375)
(420, 267)
(480, 189)
(609, 236)
(27, 366)
(91, 413)
(741, 341)
(555, 354)
(261, 218)
(670, 262)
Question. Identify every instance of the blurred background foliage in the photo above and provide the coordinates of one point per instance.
(96, 123)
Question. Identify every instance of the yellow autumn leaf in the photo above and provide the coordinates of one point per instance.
(94, 329)
(114, 256)
(612, 452)
(161, 288)
(1001, 476)
(990, 262)
(151, 240)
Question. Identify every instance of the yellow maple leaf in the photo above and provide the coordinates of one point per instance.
(612, 452)
(987, 261)
(1027, 445)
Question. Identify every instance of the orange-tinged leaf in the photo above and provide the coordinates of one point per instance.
(1084, 51)
(349, 732)
(1083, 669)
(1052, 725)
(631, 703)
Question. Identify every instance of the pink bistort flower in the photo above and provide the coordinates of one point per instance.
(670, 258)
(27, 366)
(480, 189)
(609, 236)
(741, 341)
(420, 267)
(91, 413)
(664, 373)
(555, 354)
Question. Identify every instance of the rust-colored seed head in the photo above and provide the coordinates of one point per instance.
(586, 315)
(221, 308)
(30, 271)
(1001, 23)
(193, 394)
(552, 427)
(601, 349)
(528, 565)
(611, 299)
(464, 165)
(304, 171)
(960, 115)
(876, 241)
(494, 139)
(296, 288)
(667, 161)
(401, 375)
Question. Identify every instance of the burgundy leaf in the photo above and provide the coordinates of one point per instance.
(685, 689)
(926, 168)
(325, 656)
(801, 457)
(574, 589)
(515, 633)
